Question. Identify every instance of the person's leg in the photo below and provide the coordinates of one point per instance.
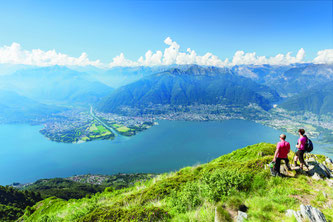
(277, 165)
(304, 158)
(296, 157)
(301, 159)
(286, 160)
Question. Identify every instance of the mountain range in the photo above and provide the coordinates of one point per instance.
(189, 86)
(297, 87)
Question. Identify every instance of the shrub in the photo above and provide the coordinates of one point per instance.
(186, 199)
(9, 213)
(160, 189)
(13, 202)
(109, 189)
(258, 164)
(224, 182)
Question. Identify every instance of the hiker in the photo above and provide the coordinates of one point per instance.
(301, 148)
(281, 153)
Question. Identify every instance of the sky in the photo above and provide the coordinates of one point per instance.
(118, 33)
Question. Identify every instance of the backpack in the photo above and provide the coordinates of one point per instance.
(308, 145)
(271, 168)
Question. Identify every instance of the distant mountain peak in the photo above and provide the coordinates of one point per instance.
(198, 70)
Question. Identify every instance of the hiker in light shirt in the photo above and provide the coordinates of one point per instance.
(301, 148)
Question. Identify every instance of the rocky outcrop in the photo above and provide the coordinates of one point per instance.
(241, 216)
(329, 161)
(319, 170)
(327, 170)
(217, 218)
(307, 213)
(316, 176)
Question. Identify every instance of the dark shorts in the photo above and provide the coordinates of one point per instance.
(300, 154)
(278, 163)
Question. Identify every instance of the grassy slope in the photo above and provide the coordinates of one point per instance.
(192, 194)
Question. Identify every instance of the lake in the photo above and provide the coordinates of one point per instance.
(26, 155)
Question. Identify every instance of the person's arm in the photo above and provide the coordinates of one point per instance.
(276, 152)
(298, 145)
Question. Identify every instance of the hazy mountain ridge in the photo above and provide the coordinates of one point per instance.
(17, 108)
(56, 84)
(318, 100)
(120, 76)
(288, 80)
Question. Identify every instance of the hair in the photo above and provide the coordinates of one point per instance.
(301, 131)
(283, 136)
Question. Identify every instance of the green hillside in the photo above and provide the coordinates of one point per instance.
(76, 187)
(193, 193)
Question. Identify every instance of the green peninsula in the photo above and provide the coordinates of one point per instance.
(77, 126)
(86, 132)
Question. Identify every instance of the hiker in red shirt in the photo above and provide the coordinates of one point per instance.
(281, 153)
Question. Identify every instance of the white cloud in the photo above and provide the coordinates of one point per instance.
(172, 54)
(250, 58)
(122, 61)
(151, 59)
(300, 54)
(324, 57)
(14, 54)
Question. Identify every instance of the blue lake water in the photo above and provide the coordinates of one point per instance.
(26, 155)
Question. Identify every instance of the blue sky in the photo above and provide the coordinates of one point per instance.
(104, 29)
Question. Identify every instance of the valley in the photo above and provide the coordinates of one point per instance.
(146, 95)
(80, 126)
